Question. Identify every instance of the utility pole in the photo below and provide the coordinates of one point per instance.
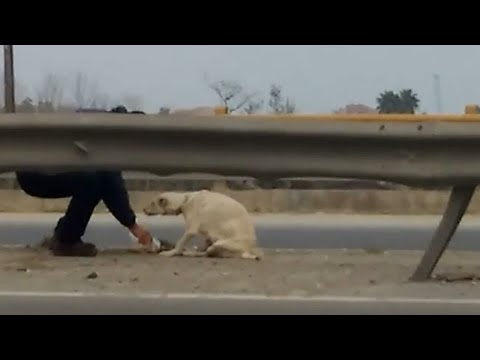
(9, 78)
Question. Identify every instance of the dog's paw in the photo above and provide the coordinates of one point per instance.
(166, 246)
(170, 253)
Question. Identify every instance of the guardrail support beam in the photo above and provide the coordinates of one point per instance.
(460, 198)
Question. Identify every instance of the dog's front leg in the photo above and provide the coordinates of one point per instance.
(194, 253)
(179, 246)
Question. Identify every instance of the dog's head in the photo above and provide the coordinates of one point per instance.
(167, 203)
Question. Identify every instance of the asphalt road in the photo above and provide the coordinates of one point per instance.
(301, 232)
(134, 305)
(292, 232)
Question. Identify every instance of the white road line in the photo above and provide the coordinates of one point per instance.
(188, 296)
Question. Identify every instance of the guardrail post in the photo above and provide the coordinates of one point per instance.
(460, 198)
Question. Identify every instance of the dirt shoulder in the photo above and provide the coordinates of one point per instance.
(300, 273)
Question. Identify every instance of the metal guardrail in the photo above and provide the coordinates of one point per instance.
(420, 151)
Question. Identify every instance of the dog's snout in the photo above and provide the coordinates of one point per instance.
(149, 211)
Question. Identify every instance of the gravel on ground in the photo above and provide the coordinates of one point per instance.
(280, 273)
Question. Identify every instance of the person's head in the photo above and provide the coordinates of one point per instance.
(119, 110)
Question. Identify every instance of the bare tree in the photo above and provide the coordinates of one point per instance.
(26, 106)
(233, 96)
(20, 91)
(290, 107)
(45, 107)
(50, 92)
(278, 104)
(253, 107)
(80, 84)
(86, 93)
(102, 101)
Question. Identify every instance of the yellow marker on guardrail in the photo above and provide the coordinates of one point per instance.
(220, 110)
(472, 114)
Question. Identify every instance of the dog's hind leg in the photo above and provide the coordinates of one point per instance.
(201, 250)
(229, 249)
(205, 244)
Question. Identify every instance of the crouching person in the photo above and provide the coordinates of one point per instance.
(86, 190)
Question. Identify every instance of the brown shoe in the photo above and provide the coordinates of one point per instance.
(74, 249)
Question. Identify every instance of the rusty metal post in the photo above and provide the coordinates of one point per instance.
(457, 206)
(9, 78)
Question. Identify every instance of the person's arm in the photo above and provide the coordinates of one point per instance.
(115, 197)
(119, 199)
(142, 235)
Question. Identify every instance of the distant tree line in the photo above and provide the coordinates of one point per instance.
(237, 99)
(404, 102)
(56, 93)
(62, 94)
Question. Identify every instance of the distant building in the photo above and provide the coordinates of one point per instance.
(356, 109)
(198, 111)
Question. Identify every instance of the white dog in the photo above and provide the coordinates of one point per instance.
(223, 223)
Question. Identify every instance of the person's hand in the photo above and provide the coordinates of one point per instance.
(142, 235)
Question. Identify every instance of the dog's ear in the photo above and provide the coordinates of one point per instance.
(162, 202)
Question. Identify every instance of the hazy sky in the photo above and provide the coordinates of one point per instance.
(319, 78)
